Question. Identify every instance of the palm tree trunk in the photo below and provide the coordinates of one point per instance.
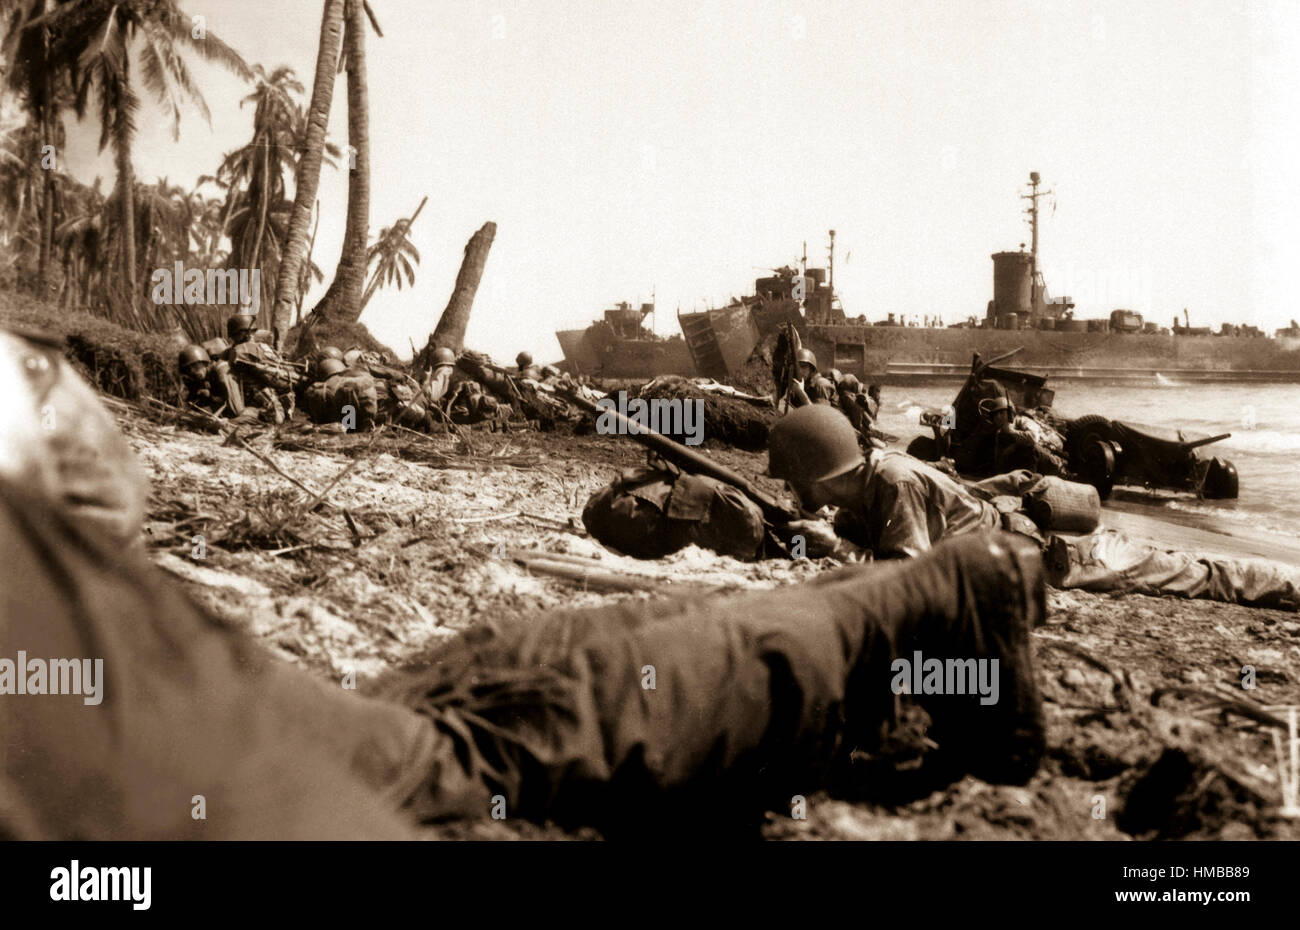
(343, 299)
(308, 175)
(450, 331)
(126, 215)
(47, 134)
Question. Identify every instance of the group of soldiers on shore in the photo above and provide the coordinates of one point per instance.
(844, 392)
(246, 380)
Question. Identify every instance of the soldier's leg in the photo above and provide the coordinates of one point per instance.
(642, 712)
(177, 716)
(1110, 561)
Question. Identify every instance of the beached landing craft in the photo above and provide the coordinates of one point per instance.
(620, 346)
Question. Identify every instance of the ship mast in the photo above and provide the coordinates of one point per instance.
(1032, 210)
(830, 269)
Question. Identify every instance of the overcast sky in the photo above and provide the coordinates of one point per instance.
(674, 145)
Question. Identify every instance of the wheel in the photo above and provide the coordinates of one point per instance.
(923, 448)
(1078, 432)
(1098, 467)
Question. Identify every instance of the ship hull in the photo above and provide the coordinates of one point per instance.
(899, 355)
(598, 352)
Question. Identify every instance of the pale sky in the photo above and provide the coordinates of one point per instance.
(674, 145)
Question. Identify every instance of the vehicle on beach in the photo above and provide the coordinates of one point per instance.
(1096, 450)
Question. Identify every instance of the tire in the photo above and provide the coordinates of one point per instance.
(1077, 434)
(923, 448)
(1097, 466)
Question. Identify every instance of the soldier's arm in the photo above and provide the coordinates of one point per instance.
(228, 388)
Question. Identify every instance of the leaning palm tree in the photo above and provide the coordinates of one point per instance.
(391, 255)
(309, 165)
(256, 177)
(96, 42)
(343, 299)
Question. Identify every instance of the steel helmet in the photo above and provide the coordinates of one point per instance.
(443, 357)
(192, 354)
(523, 359)
(806, 355)
(550, 371)
(331, 352)
(240, 323)
(351, 357)
(811, 444)
(991, 405)
(850, 384)
(835, 375)
(327, 367)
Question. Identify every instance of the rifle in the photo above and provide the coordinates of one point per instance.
(686, 459)
(281, 376)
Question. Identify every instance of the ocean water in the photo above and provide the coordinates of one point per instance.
(1264, 420)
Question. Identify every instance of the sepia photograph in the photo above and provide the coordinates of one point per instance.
(693, 423)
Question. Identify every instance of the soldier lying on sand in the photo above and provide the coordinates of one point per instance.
(901, 506)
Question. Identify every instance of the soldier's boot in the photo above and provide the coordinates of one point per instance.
(982, 594)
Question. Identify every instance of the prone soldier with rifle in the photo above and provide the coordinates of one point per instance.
(681, 497)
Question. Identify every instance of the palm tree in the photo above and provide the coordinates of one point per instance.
(391, 255)
(257, 171)
(308, 176)
(44, 91)
(256, 177)
(343, 299)
(81, 237)
(95, 43)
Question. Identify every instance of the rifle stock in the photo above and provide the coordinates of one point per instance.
(688, 460)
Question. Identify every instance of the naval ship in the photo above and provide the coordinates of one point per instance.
(1022, 323)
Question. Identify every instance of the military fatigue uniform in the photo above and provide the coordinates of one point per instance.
(650, 512)
(216, 392)
(256, 367)
(354, 388)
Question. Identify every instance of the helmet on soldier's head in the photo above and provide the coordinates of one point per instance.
(351, 357)
(328, 367)
(239, 324)
(812, 443)
(835, 376)
(550, 371)
(849, 384)
(443, 357)
(331, 352)
(991, 405)
(192, 354)
(523, 359)
(805, 356)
